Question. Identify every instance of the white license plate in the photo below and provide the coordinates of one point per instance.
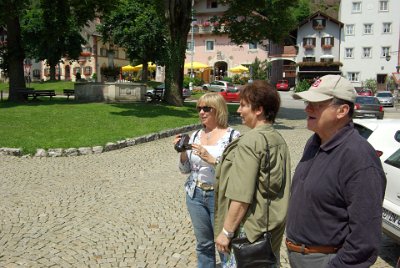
(391, 218)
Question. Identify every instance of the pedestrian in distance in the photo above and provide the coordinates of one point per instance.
(335, 209)
(198, 159)
(253, 178)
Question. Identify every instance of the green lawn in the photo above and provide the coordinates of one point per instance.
(62, 123)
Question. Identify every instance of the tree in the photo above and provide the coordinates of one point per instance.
(80, 11)
(257, 20)
(260, 69)
(139, 28)
(178, 18)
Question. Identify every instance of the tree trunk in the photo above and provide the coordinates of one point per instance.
(178, 17)
(16, 56)
(145, 71)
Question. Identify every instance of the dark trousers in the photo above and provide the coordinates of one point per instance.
(314, 260)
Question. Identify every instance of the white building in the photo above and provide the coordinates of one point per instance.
(371, 33)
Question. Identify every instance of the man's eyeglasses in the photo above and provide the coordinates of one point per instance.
(206, 109)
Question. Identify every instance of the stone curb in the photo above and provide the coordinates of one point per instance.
(110, 146)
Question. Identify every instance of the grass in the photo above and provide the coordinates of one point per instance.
(58, 86)
(62, 123)
(67, 124)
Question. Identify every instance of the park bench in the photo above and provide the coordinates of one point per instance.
(30, 92)
(69, 92)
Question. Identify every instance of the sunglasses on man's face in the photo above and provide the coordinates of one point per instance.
(206, 109)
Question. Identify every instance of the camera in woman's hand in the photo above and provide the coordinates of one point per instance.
(183, 143)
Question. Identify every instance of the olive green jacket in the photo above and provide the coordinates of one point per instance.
(242, 176)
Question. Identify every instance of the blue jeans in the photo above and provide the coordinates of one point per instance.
(201, 210)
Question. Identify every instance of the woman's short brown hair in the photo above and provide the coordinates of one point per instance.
(217, 102)
(262, 94)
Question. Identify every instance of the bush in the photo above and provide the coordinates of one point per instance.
(196, 81)
(370, 84)
(302, 85)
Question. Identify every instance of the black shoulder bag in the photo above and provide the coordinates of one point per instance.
(258, 254)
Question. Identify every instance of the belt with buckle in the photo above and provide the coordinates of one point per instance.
(205, 186)
(301, 248)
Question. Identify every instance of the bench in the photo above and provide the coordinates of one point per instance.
(69, 92)
(30, 92)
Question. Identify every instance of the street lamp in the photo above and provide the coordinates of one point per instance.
(388, 57)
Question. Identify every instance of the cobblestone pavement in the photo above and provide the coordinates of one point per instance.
(122, 208)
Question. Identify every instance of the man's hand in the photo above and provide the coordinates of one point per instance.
(222, 243)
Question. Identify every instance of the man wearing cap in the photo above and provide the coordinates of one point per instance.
(335, 208)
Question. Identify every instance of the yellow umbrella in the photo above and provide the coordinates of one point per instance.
(128, 68)
(239, 69)
(196, 65)
(150, 66)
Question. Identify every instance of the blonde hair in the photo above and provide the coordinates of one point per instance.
(217, 102)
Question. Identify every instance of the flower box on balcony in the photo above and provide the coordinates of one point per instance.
(206, 24)
(308, 46)
(86, 54)
(326, 46)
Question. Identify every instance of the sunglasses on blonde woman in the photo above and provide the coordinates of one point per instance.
(206, 109)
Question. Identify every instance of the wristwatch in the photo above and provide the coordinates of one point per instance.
(228, 234)
(217, 160)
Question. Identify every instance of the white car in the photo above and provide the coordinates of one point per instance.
(385, 98)
(219, 86)
(384, 136)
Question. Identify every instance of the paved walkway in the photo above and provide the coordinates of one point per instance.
(122, 208)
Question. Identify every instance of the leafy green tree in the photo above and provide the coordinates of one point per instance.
(303, 10)
(257, 20)
(137, 26)
(51, 31)
(260, 69)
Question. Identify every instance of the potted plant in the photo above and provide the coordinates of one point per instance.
(327, 46)
(206, 24)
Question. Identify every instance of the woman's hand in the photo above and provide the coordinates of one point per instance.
(203, 153)
(184, 157)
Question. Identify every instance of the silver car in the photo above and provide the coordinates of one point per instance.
(219, 86)
(385, 98)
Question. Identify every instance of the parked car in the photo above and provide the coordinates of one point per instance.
(218, 86)
(231, 95)
(364, 92)
(384, 136)
(282, 85)
(385, 98)
(365, 106)
(157, 93)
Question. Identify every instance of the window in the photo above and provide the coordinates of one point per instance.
(309, 59)
(252, 45)
(352, 77)
(350, 29)
(356, 7)
(190, 46)
(349, 53)
(209, 45)
(103, 52)
(383, 5)
(368, 28)
(326, 59)
(76, 70)
(116, 53)
(327, 42)
(36, 73)
(318, 24)
(387, 27)
(87, 70)
(309, 42)
(366, 52)
(212, 4)
(385, 51)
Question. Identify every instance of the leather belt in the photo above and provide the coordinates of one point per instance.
(205, 186)
(301, 248)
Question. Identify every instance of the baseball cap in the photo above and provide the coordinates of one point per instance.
(328, 87)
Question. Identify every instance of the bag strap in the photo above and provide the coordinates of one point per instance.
(268, 170)
(231, 135)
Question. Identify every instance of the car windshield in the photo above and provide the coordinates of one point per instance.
(282, 81)
(384, 95)
(394, 159)
(362, 100)
(364, 132)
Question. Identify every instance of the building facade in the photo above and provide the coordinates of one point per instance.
(318, 40)
(370, 36)
(217, 51)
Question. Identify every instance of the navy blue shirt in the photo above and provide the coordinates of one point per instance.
(336, 198)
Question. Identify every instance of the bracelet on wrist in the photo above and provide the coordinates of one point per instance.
(228, 234)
